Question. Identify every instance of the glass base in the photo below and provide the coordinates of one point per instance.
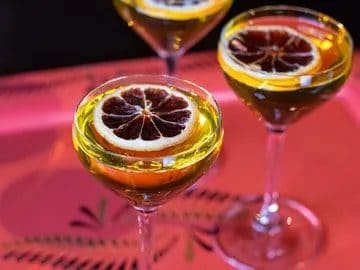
(297, 238)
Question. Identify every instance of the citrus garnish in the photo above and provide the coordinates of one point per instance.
(144, 117)
(272, 50)
(180, 9)
(179, 4)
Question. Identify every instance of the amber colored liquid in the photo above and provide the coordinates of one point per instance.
(167, 33)
(281, 102)
(151, 178)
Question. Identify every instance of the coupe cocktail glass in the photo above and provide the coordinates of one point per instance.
(172, 27)
(147, 138)
(283, 62)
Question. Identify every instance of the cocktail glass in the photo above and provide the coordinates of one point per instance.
(141, 172)
(283, 62)
(172, 27)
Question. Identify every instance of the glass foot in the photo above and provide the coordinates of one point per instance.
(298, 237)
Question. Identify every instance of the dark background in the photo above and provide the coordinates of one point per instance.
(42, 34)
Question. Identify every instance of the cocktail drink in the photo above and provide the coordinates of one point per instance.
(171, 27)
(282, 62)
(147, 138)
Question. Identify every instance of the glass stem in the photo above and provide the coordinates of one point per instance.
(144, 217)
(268, 219)
(171, 63)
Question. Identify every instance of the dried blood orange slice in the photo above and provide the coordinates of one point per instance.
(179, 4)
(145, 117)
(180, 9)
(273, 49)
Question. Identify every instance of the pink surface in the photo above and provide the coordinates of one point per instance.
(53, 214)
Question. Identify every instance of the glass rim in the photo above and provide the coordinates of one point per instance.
(251, 13)
(215, 104)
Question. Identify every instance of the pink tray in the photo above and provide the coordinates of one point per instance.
(53, 215)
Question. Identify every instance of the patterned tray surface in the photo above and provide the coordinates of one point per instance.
(53, 215)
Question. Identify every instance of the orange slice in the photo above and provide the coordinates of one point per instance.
(179, 4)
(180, 9)
(145, 117)
(270, 51)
